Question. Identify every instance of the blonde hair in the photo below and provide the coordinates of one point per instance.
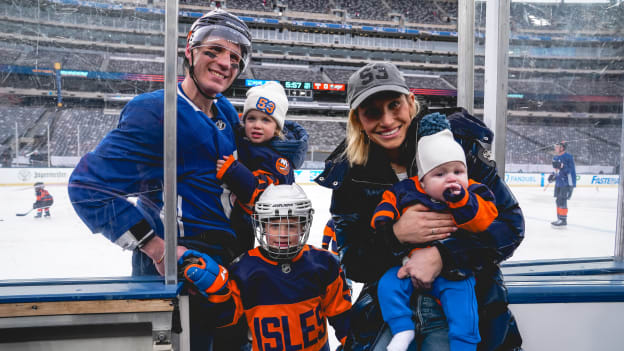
(358, 144)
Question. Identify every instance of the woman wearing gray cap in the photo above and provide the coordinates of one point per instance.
(378, 151)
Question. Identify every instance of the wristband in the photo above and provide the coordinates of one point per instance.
(142, 233)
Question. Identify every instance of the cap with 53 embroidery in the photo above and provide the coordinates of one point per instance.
(374, 78)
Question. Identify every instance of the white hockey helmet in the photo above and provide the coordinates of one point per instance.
(282, 220)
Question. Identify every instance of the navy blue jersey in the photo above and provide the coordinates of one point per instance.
(258, 165)
(129, 162)
(287, 304)
(566, 176)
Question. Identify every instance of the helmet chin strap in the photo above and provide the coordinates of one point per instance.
(192, 74)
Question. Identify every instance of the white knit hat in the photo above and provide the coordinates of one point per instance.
(437, 149)
(269, 98)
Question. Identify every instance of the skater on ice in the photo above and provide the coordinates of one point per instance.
(44, 201)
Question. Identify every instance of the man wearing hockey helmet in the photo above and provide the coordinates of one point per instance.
(129, 161)
(218, 49)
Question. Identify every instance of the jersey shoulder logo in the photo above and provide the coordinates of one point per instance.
(282, 165)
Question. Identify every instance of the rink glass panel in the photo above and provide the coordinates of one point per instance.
(566, 88)
(564, 84)
(67, 71)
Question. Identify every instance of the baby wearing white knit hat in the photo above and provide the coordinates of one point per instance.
(440, 159)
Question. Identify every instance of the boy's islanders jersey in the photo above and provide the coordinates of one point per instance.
(287, 305)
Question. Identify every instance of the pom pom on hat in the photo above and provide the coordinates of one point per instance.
(432, 123)
(436, 144)
(269, 98)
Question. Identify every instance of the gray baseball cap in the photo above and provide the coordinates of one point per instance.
(373, 78)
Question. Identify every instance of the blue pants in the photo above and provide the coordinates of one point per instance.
(458, 301)
(431, 327)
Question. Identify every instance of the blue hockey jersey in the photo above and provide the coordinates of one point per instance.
(128, 162)
(566, 176)
(258, 165)
(286, 304)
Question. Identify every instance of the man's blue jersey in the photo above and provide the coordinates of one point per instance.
(129, 163)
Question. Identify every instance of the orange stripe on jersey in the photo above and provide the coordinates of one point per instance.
(379, 214)
(461, 202)
(299, 326)
(485, 215)
(225, 167)
(329, 232)
(335, 301)
(256, 253)
(235, 294)
(417, 184)
(390, 198)
(219, 298)
(412, 251)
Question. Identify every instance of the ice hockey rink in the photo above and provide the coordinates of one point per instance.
(62, 246)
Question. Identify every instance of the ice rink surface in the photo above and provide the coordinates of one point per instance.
(62, 246)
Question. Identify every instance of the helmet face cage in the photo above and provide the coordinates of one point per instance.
(282, 221)
(282, 237)
(217, 25)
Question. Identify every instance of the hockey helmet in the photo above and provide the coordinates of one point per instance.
(220, 24)
(282, 220)
(39, 185)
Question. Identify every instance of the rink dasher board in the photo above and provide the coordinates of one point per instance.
(567, 304)
(126, 313)
(28, 176)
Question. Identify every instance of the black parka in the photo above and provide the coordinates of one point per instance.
(366, 255)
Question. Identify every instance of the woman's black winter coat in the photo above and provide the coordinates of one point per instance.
(366, 255)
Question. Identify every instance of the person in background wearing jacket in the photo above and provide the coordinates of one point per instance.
(565, 182)
(379, 150)
(128, 162)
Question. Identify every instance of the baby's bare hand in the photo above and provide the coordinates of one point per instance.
(220, 164)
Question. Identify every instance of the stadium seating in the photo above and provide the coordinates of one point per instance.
(121, 50)
(286, 73)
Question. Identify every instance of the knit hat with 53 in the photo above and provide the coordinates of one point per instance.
(436, 145)
(269, 98)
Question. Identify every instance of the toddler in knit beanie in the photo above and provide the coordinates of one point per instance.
(263, 102)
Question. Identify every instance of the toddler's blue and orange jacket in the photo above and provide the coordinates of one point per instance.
(474, 209)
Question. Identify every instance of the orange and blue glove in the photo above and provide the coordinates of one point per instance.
(203, 272)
